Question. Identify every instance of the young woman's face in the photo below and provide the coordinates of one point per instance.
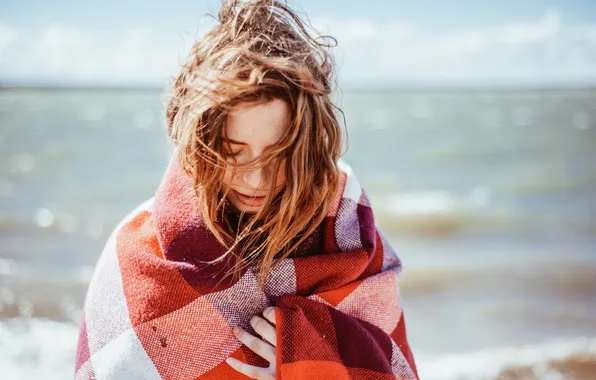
(250, 131)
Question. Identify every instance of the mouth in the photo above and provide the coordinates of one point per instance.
(253, 201)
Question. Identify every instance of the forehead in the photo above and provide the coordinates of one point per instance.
(259, 125)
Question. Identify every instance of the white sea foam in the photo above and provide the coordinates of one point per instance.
(38, 348)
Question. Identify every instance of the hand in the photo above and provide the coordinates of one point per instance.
(264, 348)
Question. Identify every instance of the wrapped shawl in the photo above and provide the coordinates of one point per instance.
(153, 311)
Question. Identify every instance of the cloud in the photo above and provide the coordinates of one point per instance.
(541, 51)
(7, 35)
(60, 54)
(530, 52)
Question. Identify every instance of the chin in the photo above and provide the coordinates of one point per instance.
(246, 210)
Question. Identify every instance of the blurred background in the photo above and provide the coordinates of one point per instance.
(472, 126)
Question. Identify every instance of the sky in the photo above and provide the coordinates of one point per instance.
(380, 43)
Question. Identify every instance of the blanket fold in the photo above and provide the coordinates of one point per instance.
(154, 311)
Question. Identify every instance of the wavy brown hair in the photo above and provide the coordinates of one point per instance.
(258, 51)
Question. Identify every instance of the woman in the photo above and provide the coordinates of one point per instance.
(258, 257)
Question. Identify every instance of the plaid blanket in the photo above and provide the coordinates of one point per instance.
(152, 312)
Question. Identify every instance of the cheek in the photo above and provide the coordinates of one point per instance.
(228, 178)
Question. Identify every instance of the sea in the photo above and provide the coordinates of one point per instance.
(487, 195)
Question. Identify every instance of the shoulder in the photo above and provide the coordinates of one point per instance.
(141, 211)
(345, 167)
(350, 186)
(142, 208)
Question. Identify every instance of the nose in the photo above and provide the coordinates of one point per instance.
(254, 178)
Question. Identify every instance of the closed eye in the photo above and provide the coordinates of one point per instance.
(228, 153)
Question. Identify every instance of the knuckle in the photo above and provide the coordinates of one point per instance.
(243, 336)
(255, 374)
(257, 345)
(258, 323)
(269, 312)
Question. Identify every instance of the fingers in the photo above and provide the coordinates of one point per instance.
(269, 313)
(264, 328)
(260, 347)
(249, 370)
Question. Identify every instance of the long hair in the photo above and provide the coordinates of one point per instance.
(258, 51)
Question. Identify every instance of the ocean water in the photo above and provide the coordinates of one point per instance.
(489, 198)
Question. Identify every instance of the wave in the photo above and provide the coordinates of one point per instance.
(437, 213)
(565, 359)
(562, 278)
(26, 292)
(440, 213)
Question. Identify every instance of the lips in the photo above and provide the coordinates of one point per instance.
(250, 196)
(250, 200)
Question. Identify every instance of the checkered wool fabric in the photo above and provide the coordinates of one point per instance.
(153, 311)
